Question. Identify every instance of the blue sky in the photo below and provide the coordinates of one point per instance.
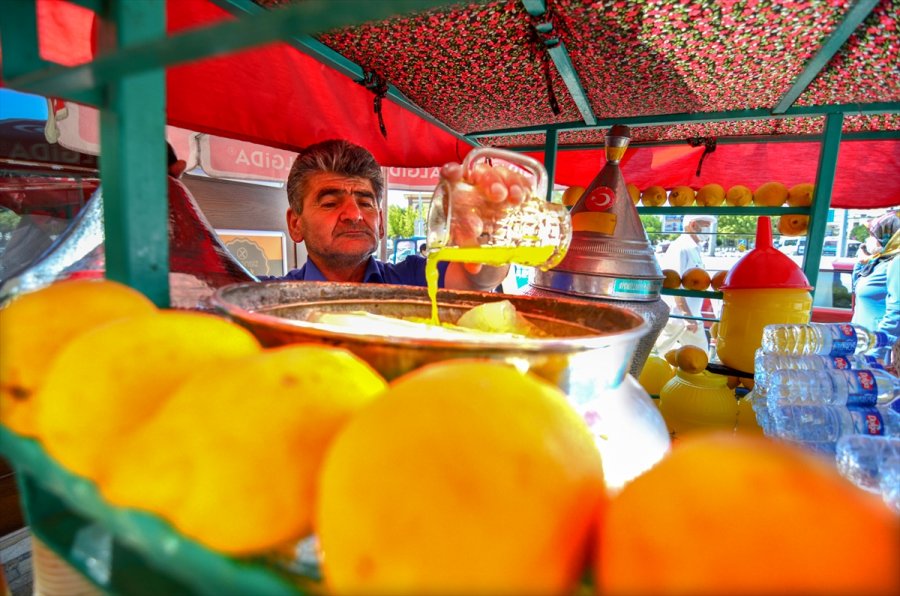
(14, 104)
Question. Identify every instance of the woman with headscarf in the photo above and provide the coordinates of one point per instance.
(878, 288)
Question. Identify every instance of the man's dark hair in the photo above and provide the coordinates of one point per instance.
(335, 156)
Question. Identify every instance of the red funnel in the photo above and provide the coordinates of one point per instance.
(765, 267)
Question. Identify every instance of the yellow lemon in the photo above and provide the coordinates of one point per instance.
(738, 196)
(443, 465)
(695, 278)
(681, 196)
(35, 326)
(672, 357)
(800, 195)
(770, 194)
(655, 374)
(634, 192)
(671, 279)
(691, 359)
(233, 456)
(571, 195)
(793, 225)
(108, 381)
(653, 196)
(711, 195)
(689, 525)
(718, 279)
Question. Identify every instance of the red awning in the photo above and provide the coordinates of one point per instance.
(866, 174)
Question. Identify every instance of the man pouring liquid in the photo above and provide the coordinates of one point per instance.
(334, 191)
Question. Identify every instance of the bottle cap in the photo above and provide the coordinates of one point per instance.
(765, 267)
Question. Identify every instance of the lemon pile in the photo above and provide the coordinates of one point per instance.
(770, 194)
(461, 477)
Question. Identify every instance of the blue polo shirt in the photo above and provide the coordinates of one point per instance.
(409, 272)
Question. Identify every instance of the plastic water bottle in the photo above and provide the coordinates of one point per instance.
(827, 424)
(766, 363)
(865, 459)
(826, 339)
(863, 387)
(890, 482)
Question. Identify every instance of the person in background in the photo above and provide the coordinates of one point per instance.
(682, 254)
(423, 249)
(880, 229)
(878, 292)
(334, 190)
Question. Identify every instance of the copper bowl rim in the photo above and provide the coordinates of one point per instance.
(224, 300)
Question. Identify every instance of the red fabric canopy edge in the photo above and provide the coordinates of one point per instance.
(866, 175)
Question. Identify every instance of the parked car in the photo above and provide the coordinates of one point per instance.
(833, 296)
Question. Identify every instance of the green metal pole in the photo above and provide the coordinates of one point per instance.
(133, 159)
(822, 201)
(550, 159)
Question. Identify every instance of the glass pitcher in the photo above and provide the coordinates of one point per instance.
(466, 225)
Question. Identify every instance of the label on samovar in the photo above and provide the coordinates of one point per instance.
(625, 288)
(601, 198)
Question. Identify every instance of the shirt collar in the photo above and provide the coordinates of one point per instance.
(373, 273)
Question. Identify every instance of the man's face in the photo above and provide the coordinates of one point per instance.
(699, 231)
(341, 222)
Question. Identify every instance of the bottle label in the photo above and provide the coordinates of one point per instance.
(840, 363)
(862, 389)
(881, 339)
(872, 362)
(867, 421)
(843, 339)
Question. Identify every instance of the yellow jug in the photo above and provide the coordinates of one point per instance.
(764, 288)
(692, 402)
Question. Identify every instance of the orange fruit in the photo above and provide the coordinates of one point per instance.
(634, 192)
(711, 518)
(793, 225)
(232, 458)
(108, 381)
(34, 328)
(681, 196)
(738, 196)
(718, 279)
(571, 195)
(429, 474)
(733, 382)
(695, 278)
(691, 359)
(711, 195)
(671, 279)
(653, 196)
(770, 194)
(672, 357)
(801, 195)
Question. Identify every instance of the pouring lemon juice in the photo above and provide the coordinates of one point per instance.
(494, 215)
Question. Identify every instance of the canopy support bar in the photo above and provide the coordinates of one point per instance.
(889, 107)
(822, 199)
(307, 17)
(856, 15)
(560, 56)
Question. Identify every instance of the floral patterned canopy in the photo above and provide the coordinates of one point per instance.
(483, 67)
(674, 70)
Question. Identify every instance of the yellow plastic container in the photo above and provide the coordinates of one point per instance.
(744, 315)
(764, 288)
(692, 402)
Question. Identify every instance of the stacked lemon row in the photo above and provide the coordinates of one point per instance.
(466, 476)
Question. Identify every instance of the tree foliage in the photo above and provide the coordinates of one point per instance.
(859, 232)
(400, 222)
